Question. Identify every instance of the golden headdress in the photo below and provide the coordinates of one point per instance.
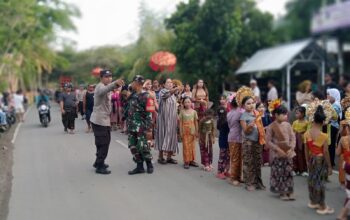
(274, 104)
(327, 107)
(242, 93)
(177, 83)
(347, 116)
(345, 103)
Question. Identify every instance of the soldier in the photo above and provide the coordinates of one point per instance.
(139, 123)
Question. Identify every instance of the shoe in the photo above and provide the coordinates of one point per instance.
(326, 211)
(150, 168)
(194, 164)
(105, 166)
(305, 174)
(186, 166)
(138, 170)
(293, 173)
(162, 161)
(103, 171)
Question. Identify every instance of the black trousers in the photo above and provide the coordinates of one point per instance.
(80, 106)
(334, 141)
(102, 140)
(68, 120)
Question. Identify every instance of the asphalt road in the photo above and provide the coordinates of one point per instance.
(54, 180)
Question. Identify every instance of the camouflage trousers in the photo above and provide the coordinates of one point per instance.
(139, 147)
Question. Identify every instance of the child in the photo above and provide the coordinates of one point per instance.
(235, 142)
(319, 163)
(281, 140)
(266, 119)
(224, 104)
(299, 127)
(188, 132)
(253, 141)
(343, 215)
(207, 139)
(224, 158)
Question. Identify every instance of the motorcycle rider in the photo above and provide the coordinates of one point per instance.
(43, 99)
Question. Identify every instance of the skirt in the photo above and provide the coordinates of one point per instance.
(281, 180)
(318, 174)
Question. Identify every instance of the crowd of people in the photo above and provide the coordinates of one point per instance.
(251, 133)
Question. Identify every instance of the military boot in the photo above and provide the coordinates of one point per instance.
(149, 167)
(139, 169)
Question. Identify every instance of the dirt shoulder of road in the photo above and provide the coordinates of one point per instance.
(6, 161)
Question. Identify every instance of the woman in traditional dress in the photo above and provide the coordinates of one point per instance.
(266, 120)
(200, 97)
(343, 147)
(147, 87)
(281, 140)
(304, 93)
(188, 132)
(319, 164)
(333, 95)
(166, 133)
(253, 141)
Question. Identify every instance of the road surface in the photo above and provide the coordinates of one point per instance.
(54, 180)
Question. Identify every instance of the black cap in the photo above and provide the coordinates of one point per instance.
(139, 79)
(104, 73)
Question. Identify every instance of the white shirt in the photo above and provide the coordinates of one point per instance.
(256, 92)
(272, 94)
(18, 101)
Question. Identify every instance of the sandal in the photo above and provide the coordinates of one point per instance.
(284, 197)
(186, 166)
(291, 197)
(207, 168)
(194, 164)
(313, 206)
(234, 182)
(171, 161)
(326, 211)
(250, 188)
(162, 161)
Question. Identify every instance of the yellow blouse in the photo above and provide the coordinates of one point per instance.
(300, 126)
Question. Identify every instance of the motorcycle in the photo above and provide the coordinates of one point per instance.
(44, 114)
(10, 115)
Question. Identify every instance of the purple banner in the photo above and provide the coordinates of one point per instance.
(331, 18)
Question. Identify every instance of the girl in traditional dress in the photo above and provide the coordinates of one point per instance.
(343, 215)
(224, 104)
(147, 87)
(266, 120)
(281, 140)
(253, 141)
(189, 132)
(207, 139)
(200, 97)
(299, 127)
(319, 164)
(235, 142)
(224, 156)
(344, 145)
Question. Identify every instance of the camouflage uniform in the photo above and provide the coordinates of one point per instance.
(139, 121)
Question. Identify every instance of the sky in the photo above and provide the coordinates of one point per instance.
(115, 22)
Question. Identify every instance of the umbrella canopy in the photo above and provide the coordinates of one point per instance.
(163, 61)
(96, 71)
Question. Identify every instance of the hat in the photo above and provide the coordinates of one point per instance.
(104, 73)
(139, 79)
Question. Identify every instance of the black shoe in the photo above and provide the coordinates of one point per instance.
(150, 168)
(103, 171)
(139, 169)
(103, 166)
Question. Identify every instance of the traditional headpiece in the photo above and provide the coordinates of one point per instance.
(242, 93)
(327, 107)
(177, 83)
(274, 105)
(345, 103)
(347, 116)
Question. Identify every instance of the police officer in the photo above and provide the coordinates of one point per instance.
(139, 124)
(100, 118)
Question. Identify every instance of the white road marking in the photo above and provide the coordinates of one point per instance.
(19, 126)
(122, 144)
(16, 133)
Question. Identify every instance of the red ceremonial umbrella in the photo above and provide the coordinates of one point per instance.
(163, 61)
(96, 71)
